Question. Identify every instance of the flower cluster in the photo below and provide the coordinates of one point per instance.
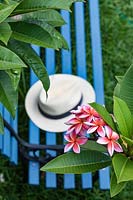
(87, 121)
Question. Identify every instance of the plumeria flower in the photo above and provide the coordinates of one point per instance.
(85, 111)
(77, 125)
(111, 141)
(74, 142)
(77, 111)
(97, 125)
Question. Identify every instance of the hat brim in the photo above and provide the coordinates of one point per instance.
(54, 125)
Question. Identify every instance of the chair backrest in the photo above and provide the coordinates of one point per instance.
(9, 146)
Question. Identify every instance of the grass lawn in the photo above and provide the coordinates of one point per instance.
(117, 40)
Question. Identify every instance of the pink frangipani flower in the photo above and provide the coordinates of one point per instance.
(97, 125)
(74, 142)
(85, 112)
(77, 125)
(111, 140)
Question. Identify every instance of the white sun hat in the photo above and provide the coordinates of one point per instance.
(66, 92)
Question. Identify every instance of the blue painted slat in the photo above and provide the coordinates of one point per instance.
(34, 136)
(66, 55)
(86, 180)
(69, 179)
(34, 167)
(80, 40)
(96, 51)
(1, 135)
(14, 144)
(104, 178)
(51, 178)
(97, 71)
(6, 150)
(81, 64)
(50, 61)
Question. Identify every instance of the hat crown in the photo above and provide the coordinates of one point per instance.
(63, 96)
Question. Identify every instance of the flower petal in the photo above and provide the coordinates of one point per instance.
(114, 136)
(103, 140)
(78, 111)
(110, 148)
(78, 128)
(86, 108)
(67, 138)
(73, 136)
(89, 119)
(81, 140)
(117, 147)
(72, 121)
(68, 147)
(90, 123)
(108, 131)
(92, 129)
(70, 129)
(101, 131)
(76, 148)
(83, 115)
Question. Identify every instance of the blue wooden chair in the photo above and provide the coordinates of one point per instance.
(8, 144)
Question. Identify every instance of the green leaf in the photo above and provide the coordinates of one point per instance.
(117, 90)
(32, 33)
(14, 75)
(32, 60)
(92, 145)
(1, 124)
(119, 78)
(32, 5)
(127, 140)
(123, 117)
(6, 10)
(126, 88)
(86, 161)
(104, 114)
(9, 60)
(5, 32)
(49, 16)
(47, 20)
(8, 96)
(58, 39)
(123, 167)
(115, 187)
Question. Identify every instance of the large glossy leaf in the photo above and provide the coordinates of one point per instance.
(123, 168)
(104, 114)
(32, 60)
(32, 33)
(49, 16)
(6, 9)
(123, 117)
(115, 187)
(1, 125)
(92, 145)
(14, 75)
(86, 161)
(5, 32)
(32, 5)
(58, 39)
(126, 88)
(8, 96)
(9, 60)
(47, 23)
(117, 90)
